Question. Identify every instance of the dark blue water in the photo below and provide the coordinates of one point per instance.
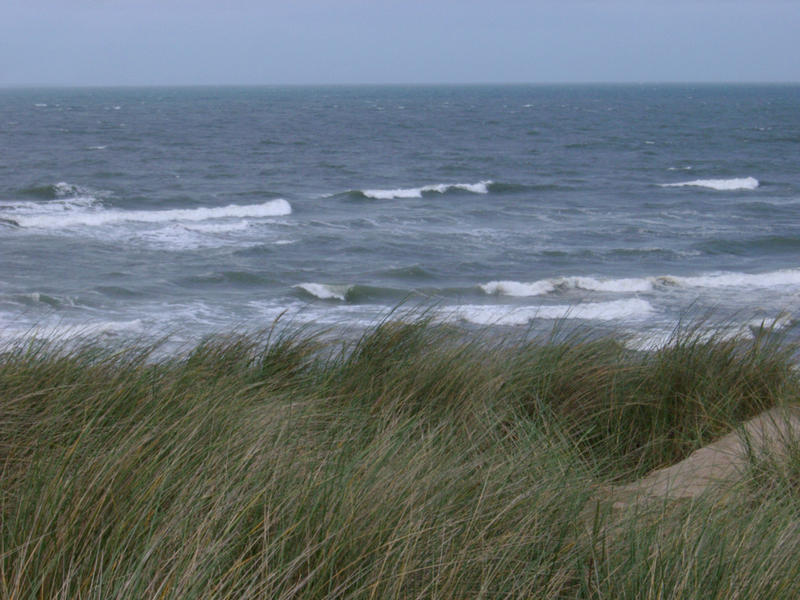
(192, 210)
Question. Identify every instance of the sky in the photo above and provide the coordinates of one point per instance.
(272, 42)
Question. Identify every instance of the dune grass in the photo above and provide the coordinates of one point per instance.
(415, 462)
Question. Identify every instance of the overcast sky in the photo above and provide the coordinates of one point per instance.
(135, 42)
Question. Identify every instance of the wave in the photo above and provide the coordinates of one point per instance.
(654, 340)
(547, 286)
(100, 217)
(412, 272)
(60, 332)
(746, 183)
(227, 278)
(219, 227)
(62, 189)
(324, 291)
(352, 294)
(614, 310)
(780, 278)
(40, 298)
(482, 187)
(771, 243)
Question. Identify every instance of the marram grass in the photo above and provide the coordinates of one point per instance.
(417, 462)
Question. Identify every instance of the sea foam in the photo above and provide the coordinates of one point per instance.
(324, 291)
(482, 187)
(746, 183)
(783, 277)
(780, 278)
(631, 309)
(546, 286)
(100, 217)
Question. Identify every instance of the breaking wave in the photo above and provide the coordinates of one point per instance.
(324, 291)
(746, 183)
(66, 216)
(62, 189)
(482, 187)
(352, 294)
(614, 310)
(783, 277)
(547, 286)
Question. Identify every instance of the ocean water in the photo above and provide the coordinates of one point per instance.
(188, 211)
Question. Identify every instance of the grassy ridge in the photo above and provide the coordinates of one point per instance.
(415, 463)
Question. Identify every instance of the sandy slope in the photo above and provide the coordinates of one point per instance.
(721, 462)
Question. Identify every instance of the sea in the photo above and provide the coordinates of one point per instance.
(184, 212)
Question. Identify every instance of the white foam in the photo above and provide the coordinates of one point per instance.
(781, 278)
(546, 286)
(746, 183)
(633, 285)
(482, 187)
(624, 285)
(64, 332)
(64, 189)
(172, 236)
(21, 210)
(219, 227)
(325, 291)
(516, 288)
(652, 341)
(631, 309)
(774, 324)
(100, 217)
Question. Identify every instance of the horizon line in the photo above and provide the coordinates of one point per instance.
(19, 86)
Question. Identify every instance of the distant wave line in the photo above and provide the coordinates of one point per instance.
(782, 277)
(272, 208)
(745, 183)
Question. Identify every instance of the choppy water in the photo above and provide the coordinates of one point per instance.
(145, 211)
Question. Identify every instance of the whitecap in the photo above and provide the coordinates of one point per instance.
(773, 324)
(631, 309)
(624, 285)
(325, 291)
(746, 183)
(20, 210)
(546, 286)
(780, 278)
(632, 285)
(62, 189)
(61, 332)
(100, 217)
(481, 187)
(516, 288)
(652, 341)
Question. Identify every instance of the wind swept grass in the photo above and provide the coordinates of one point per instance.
(416, 462)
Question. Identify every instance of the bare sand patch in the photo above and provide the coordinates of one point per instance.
(716, 465)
